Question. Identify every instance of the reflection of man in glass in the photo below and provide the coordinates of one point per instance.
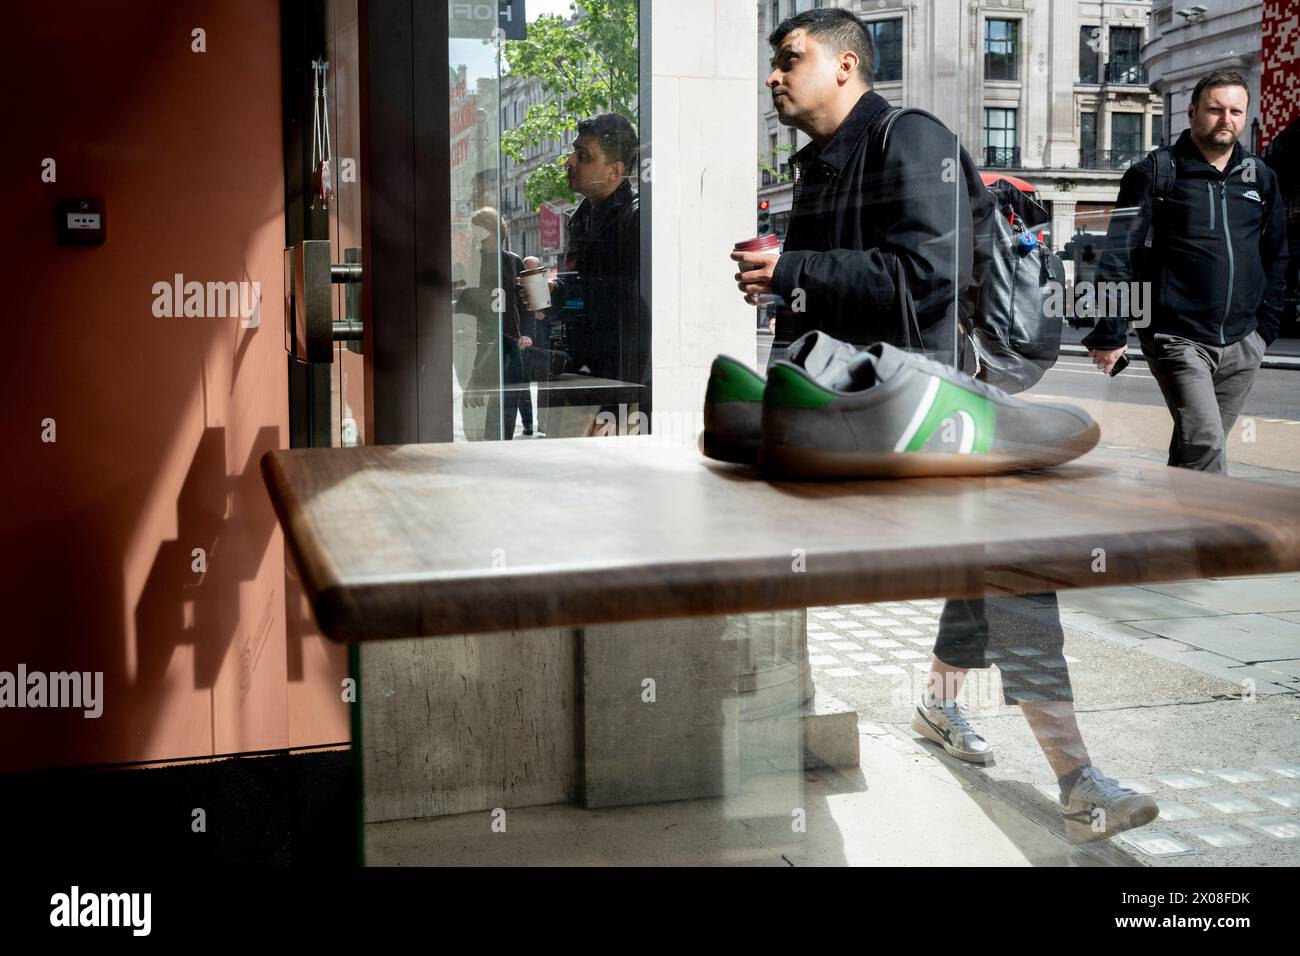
(601, 266)
(504, 330)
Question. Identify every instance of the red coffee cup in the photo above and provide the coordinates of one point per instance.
(768, 243)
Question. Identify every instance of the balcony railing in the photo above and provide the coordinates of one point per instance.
(1126, 74)
(1108, 158)
(774, 179)
(1002, 156)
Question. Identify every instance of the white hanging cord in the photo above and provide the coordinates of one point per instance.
(315, 113)
(326, 152)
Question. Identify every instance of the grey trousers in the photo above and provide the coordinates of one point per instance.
(1204, 387)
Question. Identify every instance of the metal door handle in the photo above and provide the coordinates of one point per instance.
(309, 276)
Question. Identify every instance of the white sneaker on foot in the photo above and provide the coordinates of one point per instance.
(1097, 807)
(945, 723)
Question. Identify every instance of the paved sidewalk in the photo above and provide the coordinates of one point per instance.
(1206, 720)
(1188, 691)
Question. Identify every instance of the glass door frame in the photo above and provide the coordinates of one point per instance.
(303, 26)
(405, 184)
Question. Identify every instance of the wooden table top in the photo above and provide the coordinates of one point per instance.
(426, 540)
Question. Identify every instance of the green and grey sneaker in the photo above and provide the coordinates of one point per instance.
(733, 412)
(733, 402)
(1097, 807)
(893, 414)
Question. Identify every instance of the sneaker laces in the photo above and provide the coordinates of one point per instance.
(1105, 787)
(952, 712)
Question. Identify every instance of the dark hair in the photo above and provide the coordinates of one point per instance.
(617, 138)
(836, 29)
(1219, 78)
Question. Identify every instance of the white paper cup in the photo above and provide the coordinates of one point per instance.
(538, 289)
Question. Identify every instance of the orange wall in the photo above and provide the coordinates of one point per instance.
(160, 421)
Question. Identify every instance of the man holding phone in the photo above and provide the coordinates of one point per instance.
(1210, 237)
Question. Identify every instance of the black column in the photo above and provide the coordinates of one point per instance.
(405, 209)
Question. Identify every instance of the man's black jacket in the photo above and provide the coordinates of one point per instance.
(497, 320)
(856, 219)
(1217, 261)
(604, 249)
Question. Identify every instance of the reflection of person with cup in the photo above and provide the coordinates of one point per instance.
(502, 322)
(603, 255)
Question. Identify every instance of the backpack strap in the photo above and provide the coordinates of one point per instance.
(1162, 184)
(884, 123)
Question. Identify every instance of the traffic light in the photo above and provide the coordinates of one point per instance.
(764, 217)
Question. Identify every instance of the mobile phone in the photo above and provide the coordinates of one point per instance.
(1121, 363)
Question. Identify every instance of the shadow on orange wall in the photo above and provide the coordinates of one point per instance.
(159, 422)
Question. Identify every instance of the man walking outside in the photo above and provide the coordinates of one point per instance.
(861, 232)
(1216, 260)
(868, 227)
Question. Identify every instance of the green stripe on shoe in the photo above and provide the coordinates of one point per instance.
(786, 388)
(951, 402)
(729, 381)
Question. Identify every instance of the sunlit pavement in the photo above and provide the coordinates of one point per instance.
(1205, 724)
(1209, 724)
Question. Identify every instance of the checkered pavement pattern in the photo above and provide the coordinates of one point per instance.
(892, 643)
(882, 639)
(1225, 809)
(1210, 816)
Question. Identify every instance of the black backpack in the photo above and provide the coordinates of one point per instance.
(1166, 171)
(1008, 336)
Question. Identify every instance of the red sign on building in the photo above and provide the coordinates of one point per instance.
(1279, 84)
(550, 219)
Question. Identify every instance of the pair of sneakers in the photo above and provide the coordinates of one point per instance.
(1094, 807)
(831, 410)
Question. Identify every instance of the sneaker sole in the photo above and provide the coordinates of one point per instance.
(724, 448)
(921, 726)
(789, 462)
(1081, 831)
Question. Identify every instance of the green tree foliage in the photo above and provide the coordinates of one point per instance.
(587, 67)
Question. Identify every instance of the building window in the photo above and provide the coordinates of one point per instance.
(1089, 54)
(775, 16)
(1001, 39)
(1000, 137)
(1125, 139)
(888, 37)
(1157, 130)
(1125, 64)
(1087, 140)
